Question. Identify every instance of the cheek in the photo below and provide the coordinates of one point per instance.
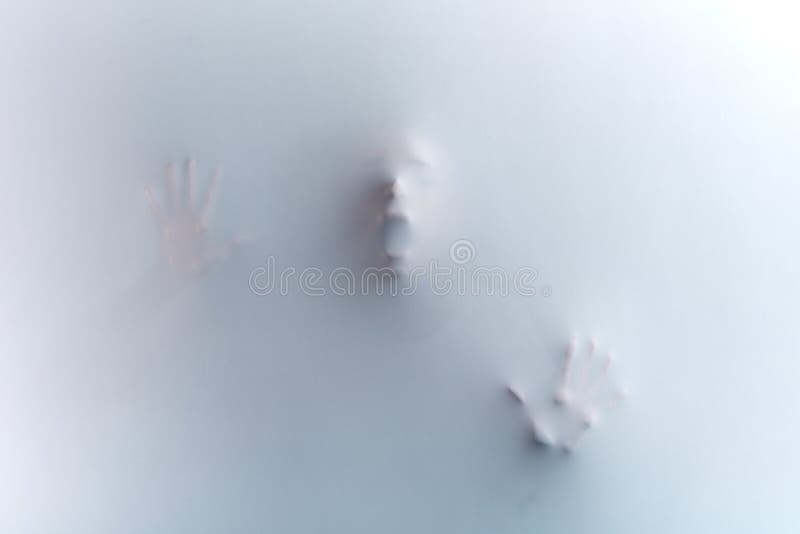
(428, 203)
(433, 213)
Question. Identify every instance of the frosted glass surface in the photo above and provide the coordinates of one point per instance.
(640, 155)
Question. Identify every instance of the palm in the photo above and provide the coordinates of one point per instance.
(580, 398)
(185, 243)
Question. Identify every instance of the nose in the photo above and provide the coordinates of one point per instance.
(397, 188)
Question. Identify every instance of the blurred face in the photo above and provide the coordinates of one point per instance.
(412, 210)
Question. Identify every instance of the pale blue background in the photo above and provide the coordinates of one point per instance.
(641, 155)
